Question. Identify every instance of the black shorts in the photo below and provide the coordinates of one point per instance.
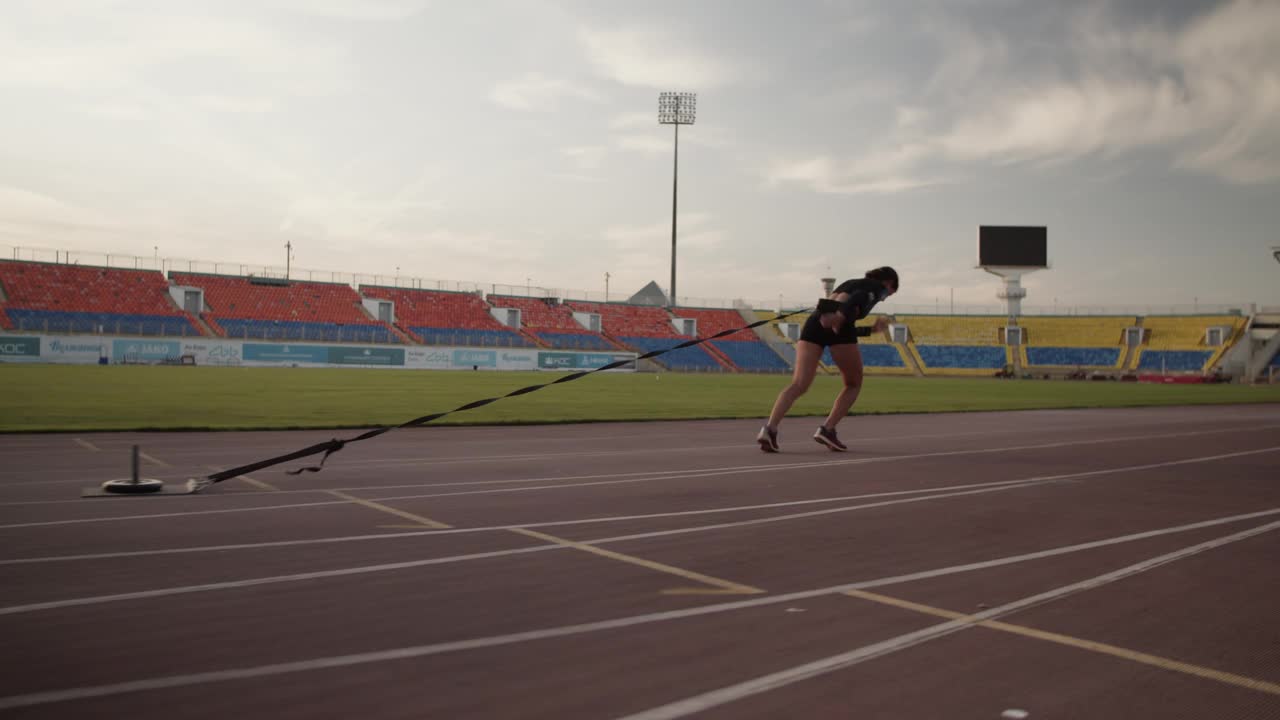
(814, 332)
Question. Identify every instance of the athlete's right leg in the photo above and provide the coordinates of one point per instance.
(807, 356)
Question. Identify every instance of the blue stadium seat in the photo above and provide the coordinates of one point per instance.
(311, 331)
(752, 355)
(575, 341)
(1095, 357)
(690, 358)
(58, 321)
(471, 337)
(879, 356)
(978, 357)
(1174, 360)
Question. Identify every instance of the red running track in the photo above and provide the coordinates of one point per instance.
(1061, 564)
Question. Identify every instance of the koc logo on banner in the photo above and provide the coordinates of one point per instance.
(20, 346)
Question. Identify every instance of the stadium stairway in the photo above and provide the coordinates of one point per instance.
(1131, 351)
(720, 357)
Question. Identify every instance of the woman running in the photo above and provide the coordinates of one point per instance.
(832, 326)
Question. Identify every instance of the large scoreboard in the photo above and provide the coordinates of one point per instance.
(1013, 246)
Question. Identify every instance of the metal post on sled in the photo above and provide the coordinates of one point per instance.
(137, 486)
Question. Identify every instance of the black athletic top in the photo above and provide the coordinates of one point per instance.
(864, 294)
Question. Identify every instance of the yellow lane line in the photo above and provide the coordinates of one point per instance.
(153, 459)
(717, 586)
(421, 521)
(1090, 645)
(260, 484)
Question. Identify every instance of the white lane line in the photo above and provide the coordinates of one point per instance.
(271, 580)
(653, 474)
(384, 567)
(934, 493)
(493, 528)
(153, 460)
(86, 445)
(782, 678)
(624, 478)
(649, 474)
(80, 693)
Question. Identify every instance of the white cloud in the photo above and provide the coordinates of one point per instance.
(878, 172)
(644, 143)
(535, 91)
(648, 57)
(115, 47)
(353, 9)
(694, 230)
(633, 120)
(234, 105)
(586, 157)
(1207, 96)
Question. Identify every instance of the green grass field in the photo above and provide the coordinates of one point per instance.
(51, 398)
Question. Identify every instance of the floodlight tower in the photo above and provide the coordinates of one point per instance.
(676, 108)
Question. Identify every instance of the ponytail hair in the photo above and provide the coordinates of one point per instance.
(884, 274)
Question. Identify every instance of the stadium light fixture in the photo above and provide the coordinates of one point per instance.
(676, 108)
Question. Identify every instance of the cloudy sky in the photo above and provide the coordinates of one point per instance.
(514, 141)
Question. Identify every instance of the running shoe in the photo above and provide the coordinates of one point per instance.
(828, 438)
(768, 439)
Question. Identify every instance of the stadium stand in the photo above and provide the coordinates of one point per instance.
(1173, 360)
(644, 328)
(957, 345)
(1178, 343)
(1059, 357)
(879, 355)
(963, 357)
(1074, 342)
(250, 308)
(624, 320)
(440, 317)
(743, 348)
(552, 323)
(954, 329)
(57, 298)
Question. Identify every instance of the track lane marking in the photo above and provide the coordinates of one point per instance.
(321, 663)
(153, 460)
(662, 476)
(720, 587)
(260, 484)
(656, 474)
(1075, 642)
(421, 521)
(361, 570)
(782, 678)
(936, 493)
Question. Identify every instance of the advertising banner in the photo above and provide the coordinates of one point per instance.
(145, 350)
(215, 353)
(578, 360)
(287, 354)
(517, 360)
(73, 349)
(366, 356)
(469, 358)
(88, 349)
(13, 347)
(429, 358)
